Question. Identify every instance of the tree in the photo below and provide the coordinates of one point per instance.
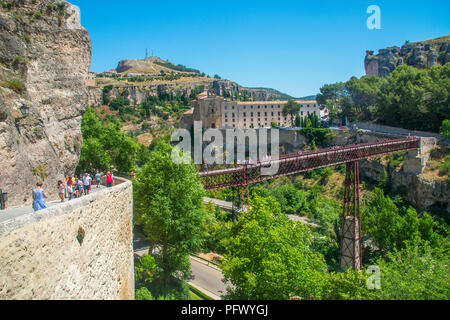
(416, 99)
(291, 108)
(351, 285)
(445, 129)
(105, 146)
(168, 201)
(391, 229)
(418, 272)
(331, 94)
(145, 270)
(270, 257)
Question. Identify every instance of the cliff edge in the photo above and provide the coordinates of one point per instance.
(422, 55)
(45, 56)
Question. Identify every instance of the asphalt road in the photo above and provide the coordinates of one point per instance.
(207, 278)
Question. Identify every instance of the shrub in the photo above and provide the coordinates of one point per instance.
(445, 167)
(15, 85)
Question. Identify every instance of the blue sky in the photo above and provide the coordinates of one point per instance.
(291, 46)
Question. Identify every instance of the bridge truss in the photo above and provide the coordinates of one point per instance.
(241, 176)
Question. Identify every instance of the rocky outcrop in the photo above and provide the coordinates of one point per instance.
(423, 193)
(45, 56)
(418, 54)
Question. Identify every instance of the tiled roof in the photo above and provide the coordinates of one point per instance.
(274, 102)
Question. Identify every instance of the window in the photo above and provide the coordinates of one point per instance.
(233, 115)
(252, 114)
(259, 114)
(265, 114)
(272, 114)
(245, 114)
(226, 107)
(226, 115)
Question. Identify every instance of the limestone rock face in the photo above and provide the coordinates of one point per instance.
(421, 192)
(418, 54)
(45, 56)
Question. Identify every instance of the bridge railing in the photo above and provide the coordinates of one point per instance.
(302, 162)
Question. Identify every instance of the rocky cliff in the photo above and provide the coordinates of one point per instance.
(45, 56)
(138, 93)
(423, 54)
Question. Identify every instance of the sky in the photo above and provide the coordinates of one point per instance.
(293, 46)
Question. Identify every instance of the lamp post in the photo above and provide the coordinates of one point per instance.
(25, 110)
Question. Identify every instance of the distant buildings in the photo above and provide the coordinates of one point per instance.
(216, 112)
(90, 81)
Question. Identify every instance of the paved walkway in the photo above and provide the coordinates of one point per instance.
(13, 213)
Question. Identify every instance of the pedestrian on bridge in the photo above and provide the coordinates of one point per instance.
(61, 190)
(109, 179)
(39, 197)
(98, 178)
(87, 182)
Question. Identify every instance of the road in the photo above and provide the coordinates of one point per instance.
(206, 277)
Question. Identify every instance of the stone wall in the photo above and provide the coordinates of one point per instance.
(393, 130)
(82, 249)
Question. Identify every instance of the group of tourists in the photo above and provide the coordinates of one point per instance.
(72, 188)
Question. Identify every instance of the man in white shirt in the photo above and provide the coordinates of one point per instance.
(87, 181)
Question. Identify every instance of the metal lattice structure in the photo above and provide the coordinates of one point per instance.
(241, 176)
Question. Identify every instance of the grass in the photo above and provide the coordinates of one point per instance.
(14, 84)
(197, 294)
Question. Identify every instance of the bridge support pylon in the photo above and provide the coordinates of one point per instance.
(351, 249)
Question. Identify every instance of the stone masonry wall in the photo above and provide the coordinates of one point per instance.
(41, 257)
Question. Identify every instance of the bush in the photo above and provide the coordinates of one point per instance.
(143, 294)
(15, 85)
(445, 167)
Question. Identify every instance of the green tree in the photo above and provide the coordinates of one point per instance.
(145, 270)
(143, 294)
(445, 129)
(105, 146)
(351, 285)
(418, 272)
(391, 229)
(270, 257)
(168, 200)
(291, 108)
(331, 94)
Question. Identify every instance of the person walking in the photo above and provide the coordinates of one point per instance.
(80, 187)
(70, 191)
(87, 181)
(109, 179)
(39, 197)
(98, 178)
(61, 190)
(76, 188)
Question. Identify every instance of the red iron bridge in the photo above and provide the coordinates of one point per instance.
(241, 176)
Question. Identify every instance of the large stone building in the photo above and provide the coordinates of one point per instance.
(217, 112)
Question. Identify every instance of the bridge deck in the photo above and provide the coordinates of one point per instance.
(250, 173)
